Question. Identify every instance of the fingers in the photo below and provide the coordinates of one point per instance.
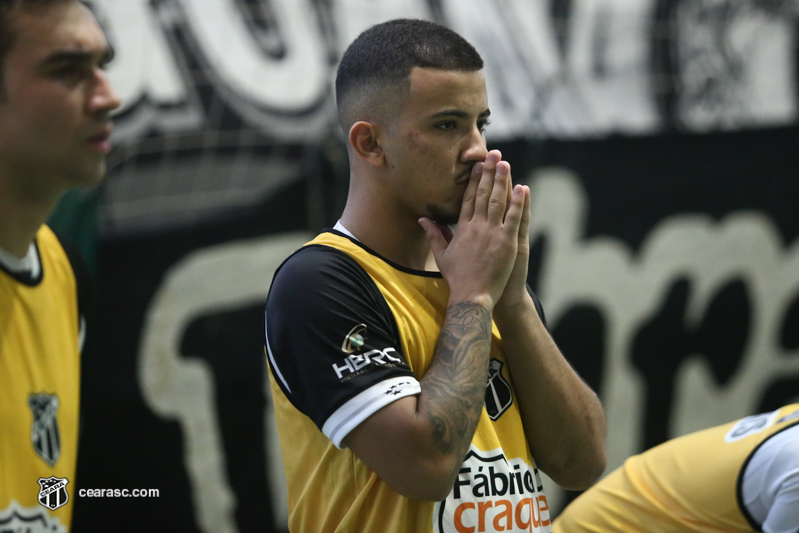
(510, 195)
(486, 193)
(518, 212)
(497, 204)
(438, 241)
(467, 208)
(524, 230)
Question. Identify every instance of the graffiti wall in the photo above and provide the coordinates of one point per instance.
(658, 138)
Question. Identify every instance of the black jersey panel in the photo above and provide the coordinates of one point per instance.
(83, 280)
(330, 333)
(538, 306)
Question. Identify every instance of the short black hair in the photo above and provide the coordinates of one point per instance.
(384, 55)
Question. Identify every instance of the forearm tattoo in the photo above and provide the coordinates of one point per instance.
(454, 386)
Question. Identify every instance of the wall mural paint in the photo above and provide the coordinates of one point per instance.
(598, 67)
(214, 88)
(658, 140)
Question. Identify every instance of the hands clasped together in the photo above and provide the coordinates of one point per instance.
(486, 260)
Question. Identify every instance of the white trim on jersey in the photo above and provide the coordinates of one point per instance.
(357, 409)
(770, 486)
(272, 359)
(340, 227)
(28, 265)
(81, 333)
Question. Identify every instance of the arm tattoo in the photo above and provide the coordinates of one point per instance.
(454, 386)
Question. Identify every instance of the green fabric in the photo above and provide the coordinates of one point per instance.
(75, 219)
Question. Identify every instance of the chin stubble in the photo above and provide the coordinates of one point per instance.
(442, 215)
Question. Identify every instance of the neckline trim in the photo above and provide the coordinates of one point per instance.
(30, 277)
(345, 233)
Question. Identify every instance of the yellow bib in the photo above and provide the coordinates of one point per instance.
(502, 489)
(686, 484)
(40, 373)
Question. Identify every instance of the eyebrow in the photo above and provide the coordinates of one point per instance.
(78, 57)
(458, 114)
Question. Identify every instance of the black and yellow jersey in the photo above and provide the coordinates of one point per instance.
(741, 476)
(348, 332)
(40, 330)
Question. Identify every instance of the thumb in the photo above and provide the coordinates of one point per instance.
(438, 243)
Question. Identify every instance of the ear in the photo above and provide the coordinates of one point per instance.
(364, 140)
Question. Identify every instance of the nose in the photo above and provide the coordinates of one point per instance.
(103, 99)
(476, 149)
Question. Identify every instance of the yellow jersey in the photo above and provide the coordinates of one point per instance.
(691, 483)
(348, 332)
(40, 369)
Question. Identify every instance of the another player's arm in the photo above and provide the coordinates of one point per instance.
(417, 444)
(563, 419)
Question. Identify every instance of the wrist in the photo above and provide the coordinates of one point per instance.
(483, 300)
(506, 312)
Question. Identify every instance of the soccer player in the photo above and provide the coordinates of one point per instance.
(415, 385)
(55, 103)
(741, 476)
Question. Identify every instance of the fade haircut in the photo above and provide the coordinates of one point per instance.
(383, 56)
(8, 33)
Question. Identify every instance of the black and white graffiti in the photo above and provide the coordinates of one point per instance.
(216, 92)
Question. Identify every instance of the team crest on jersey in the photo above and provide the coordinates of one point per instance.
(19, 519)
(44, 432)
(53, 492)
(498, 394)
(493, 493)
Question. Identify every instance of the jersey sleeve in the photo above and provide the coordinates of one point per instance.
(783, 516)
(769, 483)
(332, 341)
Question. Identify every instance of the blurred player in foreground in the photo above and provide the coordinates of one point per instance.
(741, 476)
(55, 103)
(415, 384)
